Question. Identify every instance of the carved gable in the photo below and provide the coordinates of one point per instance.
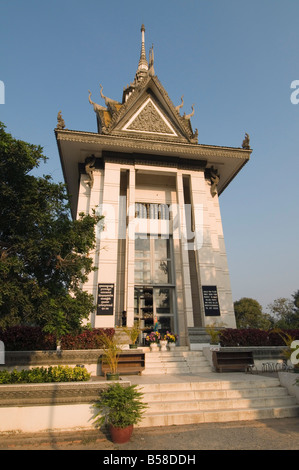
(149, 119)
(146, 112)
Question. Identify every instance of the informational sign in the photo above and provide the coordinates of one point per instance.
(210, 300)
(105, 299)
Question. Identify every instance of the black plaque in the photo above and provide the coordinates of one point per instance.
(210, 300)
(105, 299)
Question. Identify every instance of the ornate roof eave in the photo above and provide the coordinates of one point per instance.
(96, 137)
(188, 150)
(75, 146)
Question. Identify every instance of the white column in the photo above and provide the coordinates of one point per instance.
(88, 199)
(184, 254)
(130, 250)
(107, 269)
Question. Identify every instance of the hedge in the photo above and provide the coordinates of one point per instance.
(43, 375)
(253, 337)
(33, 338)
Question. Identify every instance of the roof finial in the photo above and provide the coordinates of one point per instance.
(151, 70)
(142, 65)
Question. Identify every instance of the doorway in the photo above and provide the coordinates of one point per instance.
(154, 293)
(155, 303)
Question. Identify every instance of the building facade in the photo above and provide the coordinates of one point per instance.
(160, 250)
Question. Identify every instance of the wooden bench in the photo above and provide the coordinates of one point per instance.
(130, 362)
(233, 361)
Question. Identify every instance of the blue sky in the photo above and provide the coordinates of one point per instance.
(234, 59)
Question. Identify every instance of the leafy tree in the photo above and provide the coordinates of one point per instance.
(285, 312)
(43, 252)
(296, 301)
(249, 314)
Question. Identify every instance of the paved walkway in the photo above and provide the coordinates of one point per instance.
(272, 434)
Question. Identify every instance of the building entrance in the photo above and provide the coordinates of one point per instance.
(154, 284)
(155, 304)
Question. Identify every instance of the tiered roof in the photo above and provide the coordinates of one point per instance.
(146, 108)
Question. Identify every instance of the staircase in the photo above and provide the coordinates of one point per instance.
(198, 337)
(179, 362)
(211, 400)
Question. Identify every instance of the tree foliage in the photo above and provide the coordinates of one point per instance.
(43, 252)
(249, 314)
(285, 312)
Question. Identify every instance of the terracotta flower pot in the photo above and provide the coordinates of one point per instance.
(120, 435)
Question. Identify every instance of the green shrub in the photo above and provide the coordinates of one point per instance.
(5, 377)
(43, 375)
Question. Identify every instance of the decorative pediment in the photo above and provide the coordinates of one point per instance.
(148, 112)
(149, 119)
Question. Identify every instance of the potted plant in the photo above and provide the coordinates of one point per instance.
(163, 344)
(171, 339)
(152, 339)
(133, 334)
(214, 331)
(120, 407)
(111, 353)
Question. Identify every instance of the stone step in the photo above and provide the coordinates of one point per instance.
(177, 349)
(217, 416)
(169, 360)
(176, 354)
(207, 405)
(176, 362)
(170, 396)
(216, 401)
(211, 385)
(175, 369)
(198, 335)
(153, 359)
(197, 370)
